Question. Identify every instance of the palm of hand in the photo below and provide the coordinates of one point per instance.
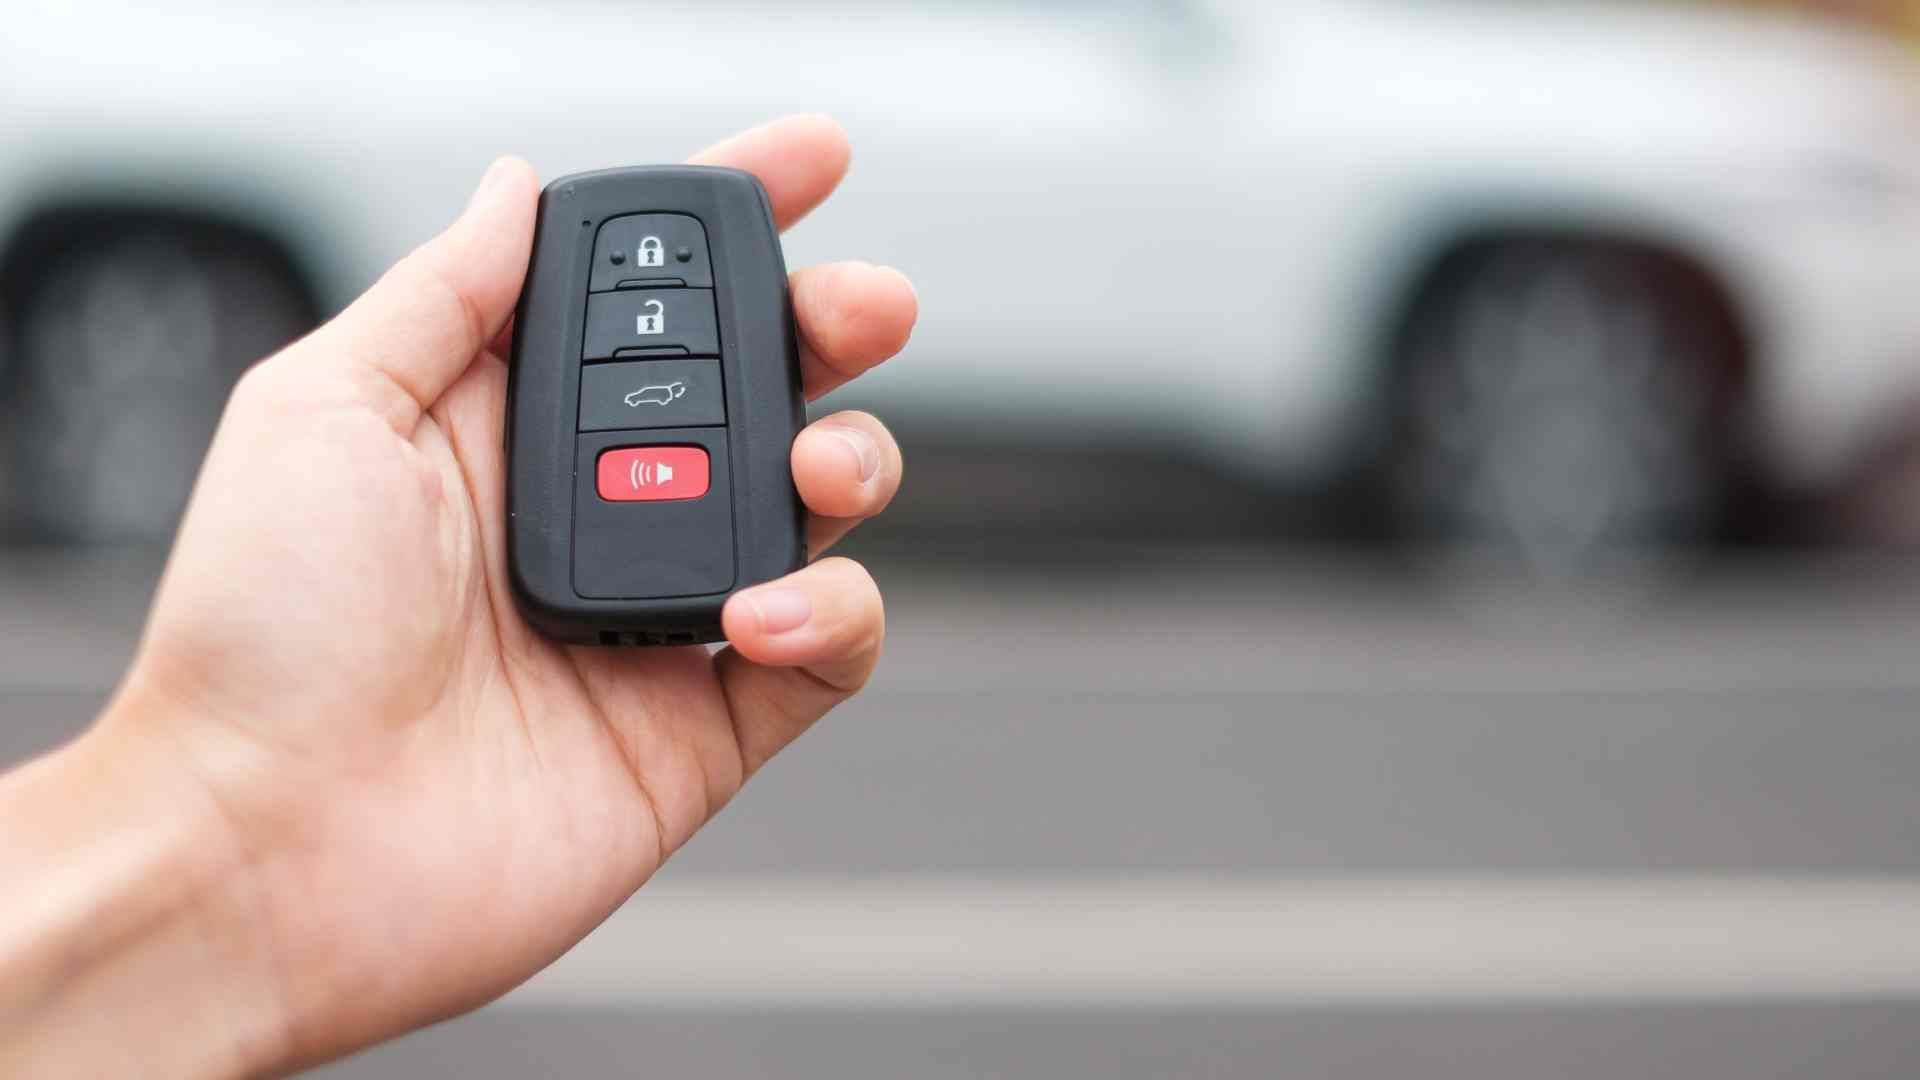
(419, 777)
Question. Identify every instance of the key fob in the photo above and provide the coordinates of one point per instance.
(652, 402)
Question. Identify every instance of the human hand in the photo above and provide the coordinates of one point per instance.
(423, 801)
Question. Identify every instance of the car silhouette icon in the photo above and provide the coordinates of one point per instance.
(657, 395)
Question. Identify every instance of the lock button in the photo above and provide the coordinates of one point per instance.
(651, 322)
(650, 249)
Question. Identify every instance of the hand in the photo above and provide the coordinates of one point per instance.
(428, 801)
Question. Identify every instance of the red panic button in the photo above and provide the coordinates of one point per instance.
(652, 473)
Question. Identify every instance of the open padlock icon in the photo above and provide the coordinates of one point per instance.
(651, 252)
(651, 322)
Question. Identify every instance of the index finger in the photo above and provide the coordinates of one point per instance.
(799, 160)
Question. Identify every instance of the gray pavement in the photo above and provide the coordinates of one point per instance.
(1230, 710)
(1781, 1041)
(1196, 712)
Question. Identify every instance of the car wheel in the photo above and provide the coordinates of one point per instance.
(125, 342)
(1559, 405)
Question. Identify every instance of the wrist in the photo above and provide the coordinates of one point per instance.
(130, 940)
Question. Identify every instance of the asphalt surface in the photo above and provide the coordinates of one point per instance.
(1695, 1042)
(1208, 709)
(1122, 712)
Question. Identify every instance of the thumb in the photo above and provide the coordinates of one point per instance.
(426, 319)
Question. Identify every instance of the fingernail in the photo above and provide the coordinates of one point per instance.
(780, 610)
(489, 180)
(865, 451)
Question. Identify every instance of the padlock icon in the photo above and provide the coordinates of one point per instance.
(651, 252)
(651, 322)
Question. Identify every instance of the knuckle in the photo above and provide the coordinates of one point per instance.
(254, 384)
(420, 290)
(864, 651)
(455, 309)
(856, 678)
(850, 575)
(266, 385)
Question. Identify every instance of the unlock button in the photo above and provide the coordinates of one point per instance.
(651, 322)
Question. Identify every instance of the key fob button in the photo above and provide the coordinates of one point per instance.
(651, 394)
(657, 538)
(664, 321)
(665, 248)
(652, 474)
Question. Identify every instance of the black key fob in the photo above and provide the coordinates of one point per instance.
(654, 396)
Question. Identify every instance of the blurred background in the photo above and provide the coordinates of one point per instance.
(1407, 562)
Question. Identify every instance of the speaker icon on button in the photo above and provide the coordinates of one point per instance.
(641, 473)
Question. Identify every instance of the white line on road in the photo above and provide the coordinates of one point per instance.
(914, 942)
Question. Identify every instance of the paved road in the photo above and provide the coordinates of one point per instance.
(1203, 718)
(1197, 710)
(1693, 1042)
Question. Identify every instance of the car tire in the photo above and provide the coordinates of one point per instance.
(125, 341)
(1561, 405)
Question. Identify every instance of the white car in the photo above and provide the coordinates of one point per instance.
(1560, 274)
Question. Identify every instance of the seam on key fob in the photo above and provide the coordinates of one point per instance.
(653, 400)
